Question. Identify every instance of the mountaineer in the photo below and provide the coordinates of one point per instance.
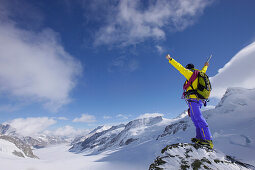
(197, 89)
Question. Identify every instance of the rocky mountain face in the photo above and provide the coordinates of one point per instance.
(174, 128)
(35, 143)
(193, 156)
(97, 139)
(135, 131)
(7, 130)
(25, 150)
(81, 138)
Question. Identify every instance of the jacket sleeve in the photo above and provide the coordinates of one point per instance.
(185, 72)
(204, 69)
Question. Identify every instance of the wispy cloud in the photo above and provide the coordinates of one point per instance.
(28, 15)
(86, 118)
(122, 116)
(123, 63)
(238, 72)
(35, 66)
(131, 22)
(67, 131)
(147, 115)
(107, 117)
(31, 126)
(160, 49)
(62, 118)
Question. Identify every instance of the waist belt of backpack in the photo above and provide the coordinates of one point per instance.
(190, 92)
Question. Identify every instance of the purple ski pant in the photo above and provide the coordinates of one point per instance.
(202, 129)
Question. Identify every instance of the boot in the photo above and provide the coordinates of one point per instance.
(195, 140)
(207, 143)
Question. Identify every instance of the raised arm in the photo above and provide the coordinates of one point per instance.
(185, 72)
(205, 67)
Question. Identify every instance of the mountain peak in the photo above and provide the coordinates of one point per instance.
(237, 96)
(193, 156)
(144, 121)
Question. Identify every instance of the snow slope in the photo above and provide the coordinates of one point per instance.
(232, 124)
(8, 148)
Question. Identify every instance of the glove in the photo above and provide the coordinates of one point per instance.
(168, 57)
(189, 112)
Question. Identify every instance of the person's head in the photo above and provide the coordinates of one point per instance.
(190, 66)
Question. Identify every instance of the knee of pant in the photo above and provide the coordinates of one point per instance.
(202, 123)
(196, 123)
(199, 121)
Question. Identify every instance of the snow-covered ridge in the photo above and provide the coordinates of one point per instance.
(136, 131)
(234, 97)
(96, 141)
(94, 131)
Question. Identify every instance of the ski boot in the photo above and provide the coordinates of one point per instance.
(195, 140)
(207, 143)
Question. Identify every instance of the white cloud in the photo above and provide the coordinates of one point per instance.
(107, 117)
(238, 72)
(131, 22)
(68, 131)
(31, 126)
(85, 118)
(147, 115)
(160, 49)
(62, 118)
(122, 116)
(123, 63)
(35, 66)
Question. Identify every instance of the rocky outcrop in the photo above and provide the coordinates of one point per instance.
(193, 156)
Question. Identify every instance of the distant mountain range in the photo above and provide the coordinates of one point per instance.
(232, 123)
(35, 142)
(13, 143)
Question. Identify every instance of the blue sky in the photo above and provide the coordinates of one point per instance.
(105, 59)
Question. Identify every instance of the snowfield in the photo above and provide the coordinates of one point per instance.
(52, 158)
(59, 158)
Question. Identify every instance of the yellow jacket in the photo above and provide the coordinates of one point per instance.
(187, 74)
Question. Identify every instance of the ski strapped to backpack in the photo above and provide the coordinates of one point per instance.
(203, 87)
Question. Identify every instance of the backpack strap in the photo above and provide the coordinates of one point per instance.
(191, 80)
